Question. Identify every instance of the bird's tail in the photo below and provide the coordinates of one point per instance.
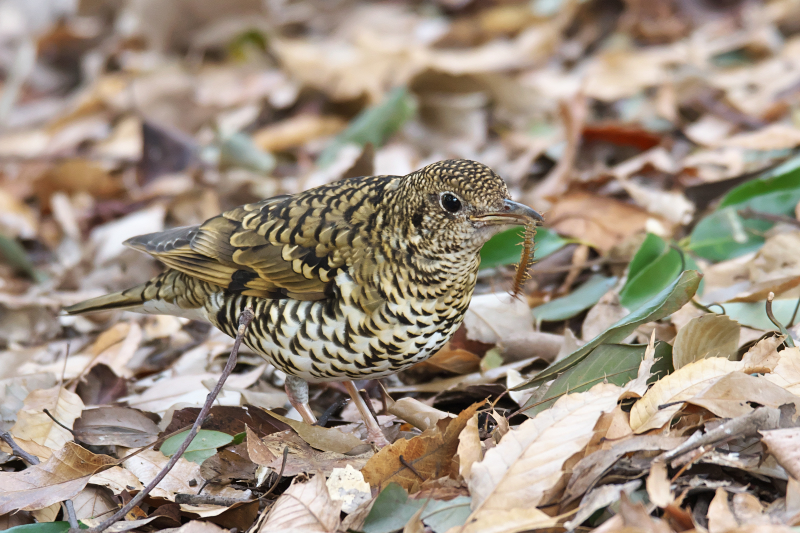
(170, 293)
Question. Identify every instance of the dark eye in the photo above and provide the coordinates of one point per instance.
(450, 202)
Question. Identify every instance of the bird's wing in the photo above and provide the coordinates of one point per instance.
(285, 246)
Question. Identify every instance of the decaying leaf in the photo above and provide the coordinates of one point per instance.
(427, 456)
(703, 337)
(61, 477)
(526, 468)
(681, 385)
(305, 506)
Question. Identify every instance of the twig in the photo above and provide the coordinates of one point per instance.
(410, 467)
(769, 217)
(789, 342)
(16, 450)
(244, 322)
(69, 510)
(363, 393)
(210, 499)
(53, 418)
(794, 315)
(280, 474)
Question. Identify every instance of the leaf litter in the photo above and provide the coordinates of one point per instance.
(656, 388)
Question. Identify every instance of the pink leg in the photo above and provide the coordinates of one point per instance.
(374, 433)
(297, 391)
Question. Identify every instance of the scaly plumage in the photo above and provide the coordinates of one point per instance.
(356, 279)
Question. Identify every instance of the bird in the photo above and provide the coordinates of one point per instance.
(356, 279)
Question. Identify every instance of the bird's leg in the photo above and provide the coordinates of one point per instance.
(297, 391)
(374, 432)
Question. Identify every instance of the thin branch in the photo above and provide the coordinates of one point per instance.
(244, 322)
(69, 510)
(6, 437)
(769, 217)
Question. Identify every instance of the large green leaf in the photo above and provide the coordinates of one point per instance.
(578, 300)
(45, 527)
(725, 234)
(669, 300)
(754, 315)
(203, 446)
(374, 125)
(392, 510)
(504, 248)
(654, 266)
(614, 363)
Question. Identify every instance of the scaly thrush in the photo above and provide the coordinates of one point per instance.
(356, 279)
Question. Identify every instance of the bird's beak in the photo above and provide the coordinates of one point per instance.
(512, 213)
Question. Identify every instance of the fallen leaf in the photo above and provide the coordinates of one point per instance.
(658, 485)
(417, 414)
(325, 439)
(469, 447)
(33, 425)
(784, 444)
(305, 507)
(61, 477)
(681, 385)
(731, 395)
(763, 357)
(429, 455)
(526, 469)
(121, 426)
(707, 336)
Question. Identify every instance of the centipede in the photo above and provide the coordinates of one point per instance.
(526, 260)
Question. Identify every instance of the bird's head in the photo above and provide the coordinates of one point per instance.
(455, 206)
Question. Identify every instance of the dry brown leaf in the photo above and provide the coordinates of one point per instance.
(510, 521)
(598, 498)
(305, 507)
(417, 414)
(787, 372)
(658, 485)
(469, 447)
(784, 444)
(61, 477)
(526, 468)
(93, 501)
(707, 336)
(681, 385)
(121, 426)
(730, 395)
(302, 457)
(763, 357)
(429, 455)
(636, 517)
(325, 439)
(33, 425)
(117, 479)
(720, 517)
(296, 131)
(772, 137)
(592, 219)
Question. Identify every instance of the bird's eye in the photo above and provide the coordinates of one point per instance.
(450, 202)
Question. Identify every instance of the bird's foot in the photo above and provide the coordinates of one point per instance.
(297, 391)
(375, 434)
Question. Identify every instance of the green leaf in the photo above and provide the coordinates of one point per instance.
(724, 234)
(44, 527)
(505, 247)
(614, 363)
(392, 510)
(669, 300)
(203, 446)
(239, 151)
(16, 256)
(578, 300)
(374, 125)
(754, 315)
(653, 267)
